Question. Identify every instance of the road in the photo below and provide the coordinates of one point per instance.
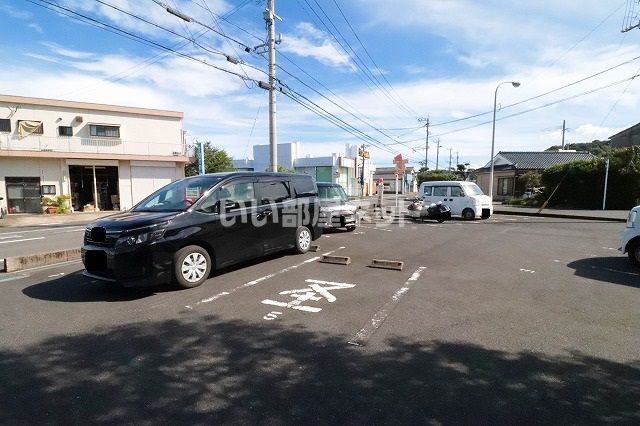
(27, 240)
(513, 319)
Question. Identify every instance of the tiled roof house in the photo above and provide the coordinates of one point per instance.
(508, 166)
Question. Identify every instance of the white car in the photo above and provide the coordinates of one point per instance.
(630, 242)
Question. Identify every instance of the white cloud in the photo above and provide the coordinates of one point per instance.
(308, 41)
(37, 28)
(14, 13)
(69, 53)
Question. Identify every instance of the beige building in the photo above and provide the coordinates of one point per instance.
(104, 157)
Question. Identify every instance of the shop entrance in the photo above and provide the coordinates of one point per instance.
(84, 193)
(23, 195)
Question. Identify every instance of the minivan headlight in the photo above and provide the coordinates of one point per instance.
(142, 237)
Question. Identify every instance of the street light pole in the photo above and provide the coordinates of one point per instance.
(493, 133)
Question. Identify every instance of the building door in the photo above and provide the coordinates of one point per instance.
(23, 195)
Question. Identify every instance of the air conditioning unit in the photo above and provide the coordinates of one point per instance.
(78, 118)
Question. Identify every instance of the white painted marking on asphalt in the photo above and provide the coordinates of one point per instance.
(40, 230)
(10, 236)
(56, 275)
(362, 336)
(19, 241)
(259, 280)
(52, 223)
(528, 270)
(609, 248)
(317, 290)
(272, 315)
(14, 277)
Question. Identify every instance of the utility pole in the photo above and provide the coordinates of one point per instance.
(269, 17)
(362, 153)
(450, 158)
(457, 161)
(426, 142)
(438, 154)
(563, 123)
(201, 165)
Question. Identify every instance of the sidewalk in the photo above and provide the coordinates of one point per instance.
(34, 219)
(605, 215)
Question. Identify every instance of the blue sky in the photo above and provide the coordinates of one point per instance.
(379, 64)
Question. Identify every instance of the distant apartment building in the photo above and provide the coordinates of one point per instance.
(104, 157)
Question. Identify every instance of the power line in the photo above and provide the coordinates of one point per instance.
(190, 19)
(370, 58)
(359, 63)
(542, 94)
(542, 106)
(136, 37)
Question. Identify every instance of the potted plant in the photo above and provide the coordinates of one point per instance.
(49, 205)
(59, 204)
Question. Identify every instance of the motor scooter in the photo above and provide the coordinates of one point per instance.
(434, 211)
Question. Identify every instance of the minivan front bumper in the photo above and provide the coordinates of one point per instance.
(145, 265)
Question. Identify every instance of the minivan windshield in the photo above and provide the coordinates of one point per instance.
(331, 193)
(472, 189)
(177, 196)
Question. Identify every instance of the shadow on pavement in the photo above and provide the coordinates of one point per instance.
(76, 288)
(614, 270)
(200, 370)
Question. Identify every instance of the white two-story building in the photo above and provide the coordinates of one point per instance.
(104, 157)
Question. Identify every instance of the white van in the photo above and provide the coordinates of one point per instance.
(465, 199)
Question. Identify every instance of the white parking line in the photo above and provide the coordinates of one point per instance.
(41, 230)
(19, 241)
(362, 336)
(259, 280)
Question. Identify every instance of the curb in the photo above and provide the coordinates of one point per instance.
(560, 216)
(17, 263)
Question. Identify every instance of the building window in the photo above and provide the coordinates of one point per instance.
(30, 127)
(104, 131)
(505, 186)
(65, 131)
(5, 125)
(48, 189)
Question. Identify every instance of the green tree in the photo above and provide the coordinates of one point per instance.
(530, 179)
(215, 160)
(281, 169)
(425, 175)
(581, 183)
(597, 148)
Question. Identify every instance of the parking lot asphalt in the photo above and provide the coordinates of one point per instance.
(508, 320)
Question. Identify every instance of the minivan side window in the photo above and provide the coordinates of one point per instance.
(456, 191)
(440, 191)
(274, 192)
(427, 190)
(236, 196)
(304, 187)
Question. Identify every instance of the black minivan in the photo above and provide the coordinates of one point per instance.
(194, 225)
